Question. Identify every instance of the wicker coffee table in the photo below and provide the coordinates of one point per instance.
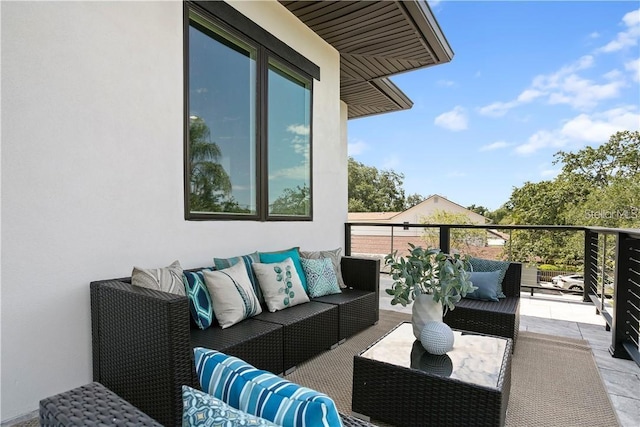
(396, 381)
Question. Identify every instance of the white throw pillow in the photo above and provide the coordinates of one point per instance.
(167, 279)
(280, 284)
(232, 294)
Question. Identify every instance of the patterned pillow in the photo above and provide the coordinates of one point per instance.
(199, 299)
(321, 277)
(280, 284)
(335, 258)
(262, 393)
(485, 265)
(203, 410)
(167, 279)
(222, 263)
(232, 294)
(293, 253)
(486, 283)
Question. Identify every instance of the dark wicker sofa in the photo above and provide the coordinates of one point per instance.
(143, 339)
(488, 317)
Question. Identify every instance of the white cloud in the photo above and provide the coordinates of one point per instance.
(539, 140)
(634, 67)
(357, 147)
(628, 37)
(599, 127)
(446, 83)
(564, 86)
(497, 109)
(583, 94)
(454, 120)
(594, 35)
(494, 146)
(298, 129)
(584, 129)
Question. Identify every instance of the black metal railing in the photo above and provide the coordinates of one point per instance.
(611, 269)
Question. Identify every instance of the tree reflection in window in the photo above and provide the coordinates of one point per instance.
(210, 184)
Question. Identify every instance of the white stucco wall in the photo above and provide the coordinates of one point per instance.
(92, 183)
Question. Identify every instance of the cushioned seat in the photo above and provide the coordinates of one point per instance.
(357, 310)
(500, 318)
(308, 329)
(259, 343)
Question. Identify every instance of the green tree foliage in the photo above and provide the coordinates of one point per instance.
(210, 185)
(293, 201)
(462, 239)
(480, 210)
(413, 200)
(372, 190)
(598, 186)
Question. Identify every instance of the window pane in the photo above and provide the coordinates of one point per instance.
(222, 97)
(289, 143)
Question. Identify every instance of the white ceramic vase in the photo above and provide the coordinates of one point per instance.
(424, 309)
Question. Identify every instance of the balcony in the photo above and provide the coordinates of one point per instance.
(605, 316)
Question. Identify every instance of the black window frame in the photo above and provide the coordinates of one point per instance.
(229, 20)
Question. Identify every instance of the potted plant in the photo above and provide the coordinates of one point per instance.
(431, 278)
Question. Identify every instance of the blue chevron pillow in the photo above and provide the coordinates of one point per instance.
(262, 393)
(203, 410)
(199, 298)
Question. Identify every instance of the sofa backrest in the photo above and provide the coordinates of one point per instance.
(512, 280)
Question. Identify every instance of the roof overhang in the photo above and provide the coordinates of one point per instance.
(376, 39)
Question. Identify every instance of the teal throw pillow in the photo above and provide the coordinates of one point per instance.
(263, 393)
(294, 254)
(484, 265)
(321, 277)
(487, 284)
(199, 299)
(203, 410)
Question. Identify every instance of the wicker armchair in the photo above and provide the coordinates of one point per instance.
(488, 317)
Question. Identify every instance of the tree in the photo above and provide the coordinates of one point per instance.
(371, 190)
(461, 239)
(413, 200)
(210, 185)
(293, 202)
(598, 186)
(480, 210)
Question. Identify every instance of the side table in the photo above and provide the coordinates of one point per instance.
(91, 405)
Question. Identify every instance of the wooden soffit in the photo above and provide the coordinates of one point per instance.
(376, 39)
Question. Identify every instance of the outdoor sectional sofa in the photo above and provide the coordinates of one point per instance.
(143, 339)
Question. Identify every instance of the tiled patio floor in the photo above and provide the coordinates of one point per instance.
(566, 315)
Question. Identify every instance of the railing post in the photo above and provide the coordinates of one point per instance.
(590, 263)
(347, 239)
(445, 238)
(621, 311)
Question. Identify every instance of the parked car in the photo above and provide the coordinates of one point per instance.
(570, 281)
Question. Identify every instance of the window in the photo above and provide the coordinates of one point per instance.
(248, 122)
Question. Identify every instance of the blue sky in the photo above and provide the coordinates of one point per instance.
(527, 79)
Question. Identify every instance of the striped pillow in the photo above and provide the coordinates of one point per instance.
(262, 393)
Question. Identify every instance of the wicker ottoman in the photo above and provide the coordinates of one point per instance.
(91, 405)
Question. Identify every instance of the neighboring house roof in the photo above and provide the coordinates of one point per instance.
(499, 234)
(371, 216)
(376, 39)
(417, 209)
